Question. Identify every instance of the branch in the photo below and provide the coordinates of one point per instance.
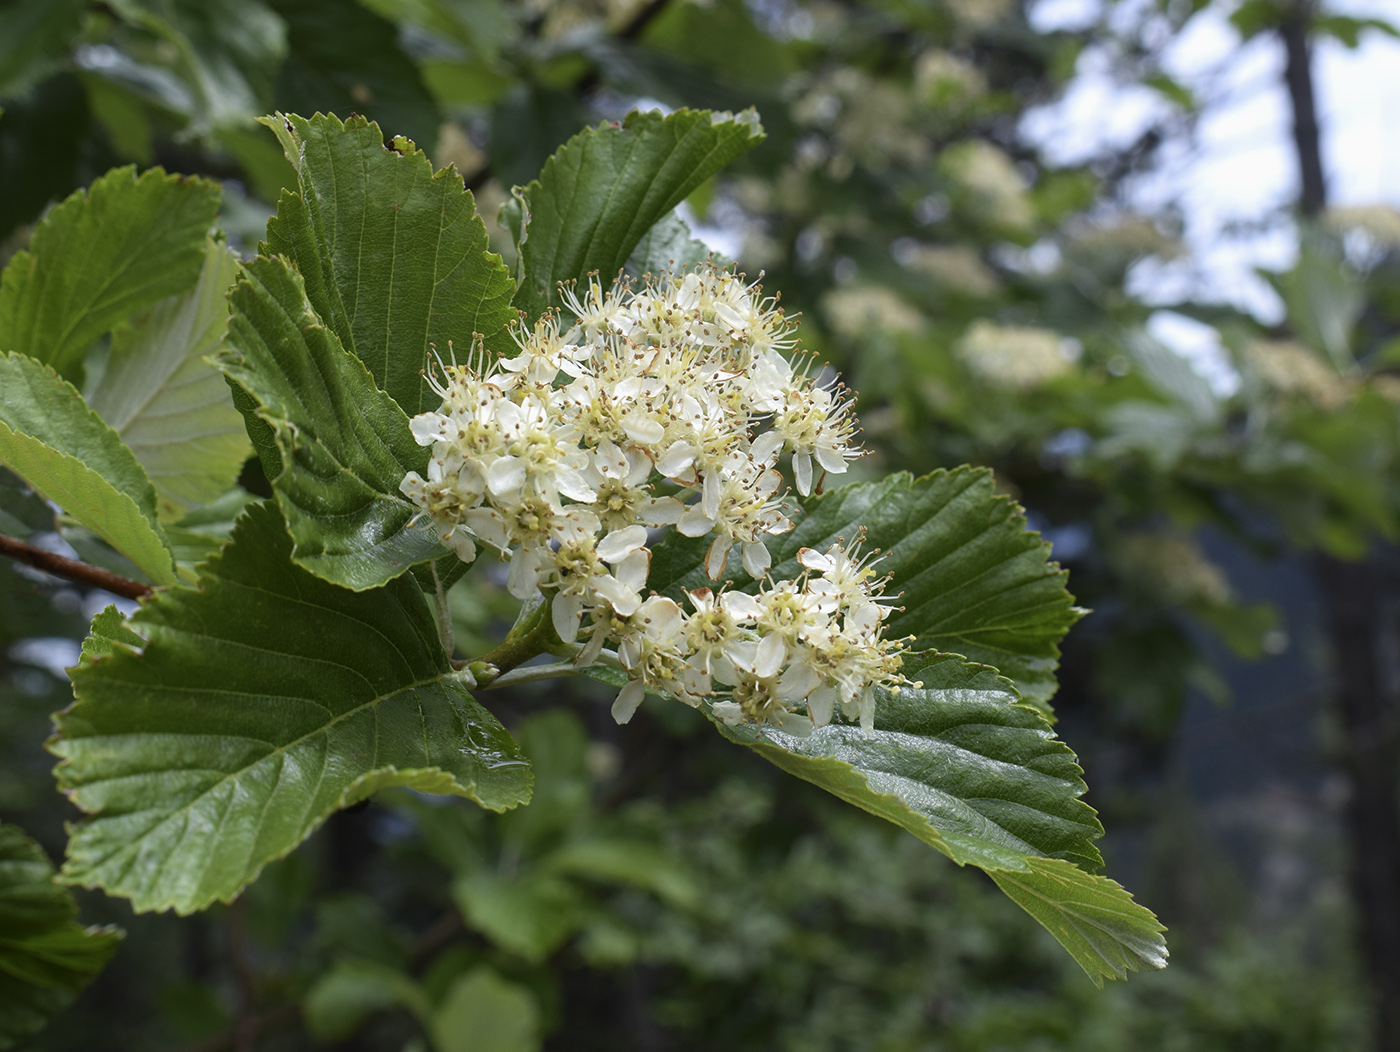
(72, 569)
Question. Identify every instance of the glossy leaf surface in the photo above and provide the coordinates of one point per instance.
(972, 580)
(342, 445)
(965, 767)
(224, 723)
(604, 190)
(393, 254)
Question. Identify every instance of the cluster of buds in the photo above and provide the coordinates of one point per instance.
(668, 405)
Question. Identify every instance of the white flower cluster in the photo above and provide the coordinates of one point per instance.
(667, 405)
(785, 656)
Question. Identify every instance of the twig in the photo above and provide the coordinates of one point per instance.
(531, 673)
(72, 569)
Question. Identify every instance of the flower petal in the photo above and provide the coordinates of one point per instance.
(625, 707)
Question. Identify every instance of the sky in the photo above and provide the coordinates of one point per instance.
(1240, 168)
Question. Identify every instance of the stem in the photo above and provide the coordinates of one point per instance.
(533, 634)
(73, 570)
(535, 672)
(444, 613)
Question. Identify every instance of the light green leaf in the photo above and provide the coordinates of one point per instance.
(1323, 296)
(531, 914)
(973, 580)
(669, 247)
(45, 956)
(167, 403)
(62, 448)
(963, 766)
(342, 999)
(484, 1013)
(1174, 377)
(637, 863)
(604, 189)
(394, 256)
(105, 253)
(1093, 917)
(258, 704)
(343, 446)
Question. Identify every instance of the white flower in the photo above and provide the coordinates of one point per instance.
(666, 405)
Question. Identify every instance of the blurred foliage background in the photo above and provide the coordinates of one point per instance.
(1232, 696)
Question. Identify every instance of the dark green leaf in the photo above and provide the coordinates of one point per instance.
(259, 703)
(104, 254)
(973, 580)
(606, 187)
(62, 448)
(963, 766)
(344, 58)
(45, 956)
(228, 52)
(343, 445)
(34, 39)
(394, 256)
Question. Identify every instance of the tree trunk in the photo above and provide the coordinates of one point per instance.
(1354, 605)
(1353, 596)
(1297, 74)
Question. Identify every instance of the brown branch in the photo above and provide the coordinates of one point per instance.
(72, 569)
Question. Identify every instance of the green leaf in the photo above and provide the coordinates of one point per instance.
(531, 914)
(102, 255)
(601, 192)
(62, 448)
(342, 999)
(1324, 299)
(484, 1013)
(343, 445)
(973, 580)
(668, 247)
(228, 53)
(1348, 30)
(965, 768)
(34, 39)
(1094, 918)
(1173, 376)
(344, 58)
(259, 703)
(45, 956)
(167, 403)
(394, 256)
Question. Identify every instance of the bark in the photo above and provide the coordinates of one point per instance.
(1312, 197)
(1356, 609)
